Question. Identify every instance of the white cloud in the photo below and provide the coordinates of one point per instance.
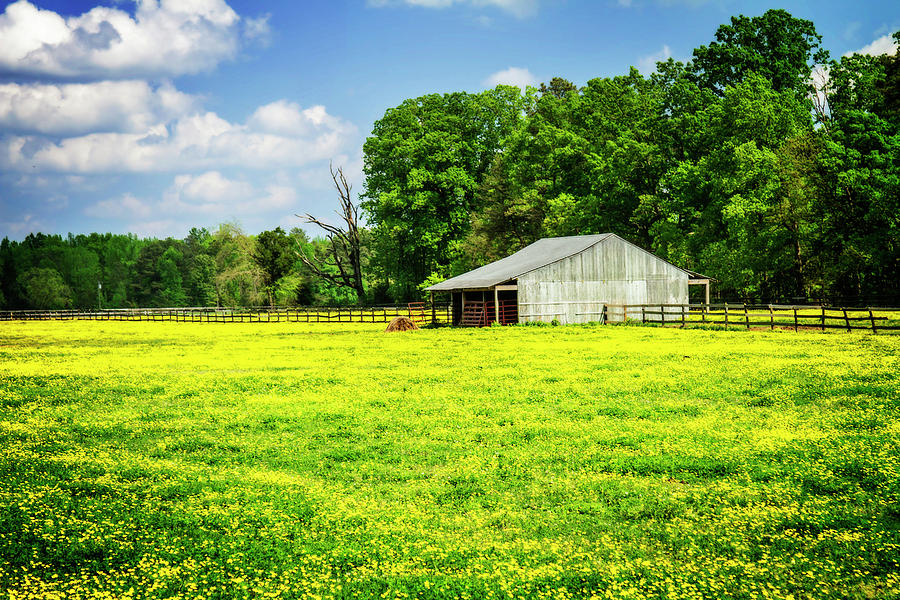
(647, 64)
(883, 45)
(516, 76)
(288, 118)
(157, 229)
(276, 197)
(126, 206)
(213, 194)
(211, 186)
(258, 29)
(78, 108)
(518, 8)
(26, 223)
(280, 134)
(205, 197)
(688, 3)
(165, 37)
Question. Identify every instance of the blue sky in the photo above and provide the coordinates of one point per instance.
(156, 116)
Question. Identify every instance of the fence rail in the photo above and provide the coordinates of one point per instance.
(746, 316)
(768, 316)
(439, 313)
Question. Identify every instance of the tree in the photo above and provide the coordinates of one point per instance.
(80, 268)
(200, 267)
(859, 205)
(273, 254)
(201, 280)
(342, 264)
(144, 285)
(158, 274)
(777, 46)
(44, 288)
(858, 202)
(168, 266)
(890, 86)
(8, 273)
(423, 164)
(238, 278)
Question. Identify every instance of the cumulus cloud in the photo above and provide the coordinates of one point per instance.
(214, 194)
(157, 229)
(288, 118)
(125, 206)
(78, 108)
(647, 64)
(163, 38)
(516, 76)
(25, 223)
(211, 186)
(518, 8)
(207, 196)
(280, 134)
(883, 45)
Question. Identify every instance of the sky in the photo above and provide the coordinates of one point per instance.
(155, 116)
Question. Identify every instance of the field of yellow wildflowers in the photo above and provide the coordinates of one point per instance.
(164, 460)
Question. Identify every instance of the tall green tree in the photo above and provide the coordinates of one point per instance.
(80, 268)
(423, 164)
(200, 268)
(273, 253)
(858, 204)
(781, 48)
(169, 266)
(44, 288)
(239, 280)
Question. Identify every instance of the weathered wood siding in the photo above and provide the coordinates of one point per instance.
(613, 271)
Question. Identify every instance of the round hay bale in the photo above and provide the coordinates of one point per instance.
(401, 324)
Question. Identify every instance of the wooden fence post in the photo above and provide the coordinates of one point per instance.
(726, 315)
(795, 319)
(872, 320)
(846, 319)
(682, 316)
(746, 317)
(823, 317)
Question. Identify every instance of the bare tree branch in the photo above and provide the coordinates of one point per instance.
(344, 253)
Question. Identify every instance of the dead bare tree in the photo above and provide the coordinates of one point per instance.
(344, 250)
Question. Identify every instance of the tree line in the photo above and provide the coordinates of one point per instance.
(761, 162)
(223, 267)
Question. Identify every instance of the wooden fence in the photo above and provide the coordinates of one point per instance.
(768, 316)
(438, 313)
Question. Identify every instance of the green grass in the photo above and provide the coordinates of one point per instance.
(157, 460)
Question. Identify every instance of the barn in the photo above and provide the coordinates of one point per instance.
(569, 279)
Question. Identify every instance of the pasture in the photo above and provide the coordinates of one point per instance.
(291, 460)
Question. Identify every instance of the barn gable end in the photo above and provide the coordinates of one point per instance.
(612, 271)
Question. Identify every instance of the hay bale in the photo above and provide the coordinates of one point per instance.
(401, 324)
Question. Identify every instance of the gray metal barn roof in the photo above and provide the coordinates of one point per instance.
(541, 253)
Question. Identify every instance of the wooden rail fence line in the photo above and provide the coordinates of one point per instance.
(440, 314)
(769, 316)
